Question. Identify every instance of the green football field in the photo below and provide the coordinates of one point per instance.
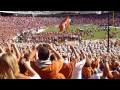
(98, 34)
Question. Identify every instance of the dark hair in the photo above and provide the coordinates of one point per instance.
(0, 51)
(64, 56)
(52, 57)
(26, 55)
(87, 64)
(43, 53)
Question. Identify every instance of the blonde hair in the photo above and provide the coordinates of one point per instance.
(9, 67)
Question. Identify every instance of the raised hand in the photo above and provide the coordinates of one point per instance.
(1, 50)
(49, 46)
(17, 52)
(38, 46)
(71, 47)
(13, 45)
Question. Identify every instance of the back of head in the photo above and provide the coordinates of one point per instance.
(87, 72)
(116, 74)
(43, 53)
(87, 64)
(8, 66)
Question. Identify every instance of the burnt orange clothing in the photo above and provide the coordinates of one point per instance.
(51, 71)
(67, 69)
(94, 64)
(87, 72)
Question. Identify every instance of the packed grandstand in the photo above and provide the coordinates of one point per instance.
(32, 45)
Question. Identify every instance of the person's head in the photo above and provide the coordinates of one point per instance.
(87, 72)
(8, 66)
(87, 64)
(116, 74)
(64, 56)
(94, 64)
(33, 47)
(43, 53)
(26, 56)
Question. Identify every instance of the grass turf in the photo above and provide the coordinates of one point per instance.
(97, 34)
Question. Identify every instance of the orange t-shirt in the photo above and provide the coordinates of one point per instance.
(86, 72)
(67, 69)
(51, 71)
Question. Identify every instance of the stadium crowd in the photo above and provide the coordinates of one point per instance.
(86, 60)
(11, 26)
(47, 37)
(42, 58)
(16, 24)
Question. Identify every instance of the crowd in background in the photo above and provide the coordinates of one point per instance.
(86, 60)
(11, 25)
(38, 56)
(47, 37)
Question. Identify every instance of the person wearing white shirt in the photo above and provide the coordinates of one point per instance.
(81, 60)
(96, 75)
(77, 73)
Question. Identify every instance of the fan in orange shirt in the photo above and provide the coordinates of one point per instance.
(46, 68)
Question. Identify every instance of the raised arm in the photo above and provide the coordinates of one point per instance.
(17, 52)
(59, 57)
(32, 54)
(34, 74)
(7, 48)
(83, 56)
(1, 50)
(107, 68)
(75, 52)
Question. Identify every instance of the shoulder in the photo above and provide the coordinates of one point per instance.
(57, 62)
(56, 65)
(22, 76)
(35, 77)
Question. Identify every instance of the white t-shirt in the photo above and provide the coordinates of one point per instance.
(35, 77)
(77, 73)
(95, 76)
